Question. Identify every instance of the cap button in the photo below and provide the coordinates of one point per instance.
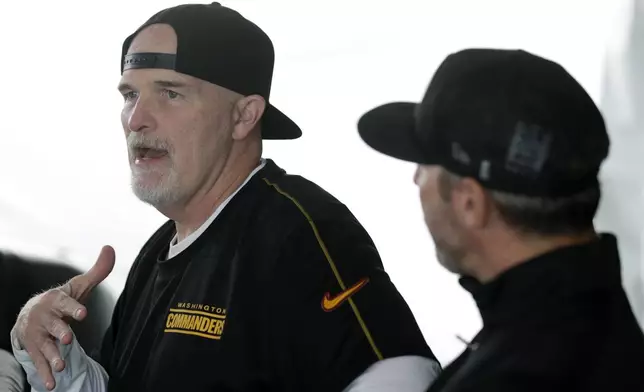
(216, 3)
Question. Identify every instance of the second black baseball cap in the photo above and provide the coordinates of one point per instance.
(514, 121)
(220, 46)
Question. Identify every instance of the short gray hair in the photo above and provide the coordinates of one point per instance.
(540, 215)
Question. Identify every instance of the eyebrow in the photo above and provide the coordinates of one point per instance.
(161, 83)
(170, 83)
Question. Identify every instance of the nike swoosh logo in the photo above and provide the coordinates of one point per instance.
(329, 304)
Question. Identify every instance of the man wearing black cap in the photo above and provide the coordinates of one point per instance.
(260, 281)
(509, 147)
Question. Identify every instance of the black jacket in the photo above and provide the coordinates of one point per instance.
(560, 322)
(284, 291)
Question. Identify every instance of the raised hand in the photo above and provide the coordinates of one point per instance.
(42, 320)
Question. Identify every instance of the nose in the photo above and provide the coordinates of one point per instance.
(139, 118)
(416, 175)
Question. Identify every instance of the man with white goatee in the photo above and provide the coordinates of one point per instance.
(260, 280)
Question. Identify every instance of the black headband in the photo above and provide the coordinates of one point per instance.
(149, 60)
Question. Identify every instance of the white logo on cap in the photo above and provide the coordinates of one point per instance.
(484, 170)
(529, 149)
(459, 154)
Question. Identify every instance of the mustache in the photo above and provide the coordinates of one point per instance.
(137, 140)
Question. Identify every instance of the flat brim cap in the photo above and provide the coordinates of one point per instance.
(278, 126)
(391, 130)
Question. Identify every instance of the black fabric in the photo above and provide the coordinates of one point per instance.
(23, 277)
(150, 60)
(262, 269)
(514, 121)
(220, 46)
(560, 322)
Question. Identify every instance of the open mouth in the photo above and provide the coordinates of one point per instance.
(146, 154)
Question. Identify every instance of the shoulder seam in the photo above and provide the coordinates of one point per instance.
(330, 261)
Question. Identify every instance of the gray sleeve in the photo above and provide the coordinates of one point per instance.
(81, 373)
(399, 374)
(12, 378)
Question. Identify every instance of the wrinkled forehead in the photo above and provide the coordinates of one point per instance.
(156, 38)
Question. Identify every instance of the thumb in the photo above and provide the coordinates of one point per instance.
(80, 286)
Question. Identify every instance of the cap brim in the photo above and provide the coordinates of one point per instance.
(277, 126)
(390, 129)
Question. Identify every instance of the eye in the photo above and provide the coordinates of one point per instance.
(171, 94)
(129, 95)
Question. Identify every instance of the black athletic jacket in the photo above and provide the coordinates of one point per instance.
(558, 323)
(285, 291)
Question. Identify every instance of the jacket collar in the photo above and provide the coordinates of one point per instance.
(540, 285)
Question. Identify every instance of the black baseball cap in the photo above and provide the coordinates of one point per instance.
(218, 45)
(514, 121)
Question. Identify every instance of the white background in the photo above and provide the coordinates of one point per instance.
(63, 167)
